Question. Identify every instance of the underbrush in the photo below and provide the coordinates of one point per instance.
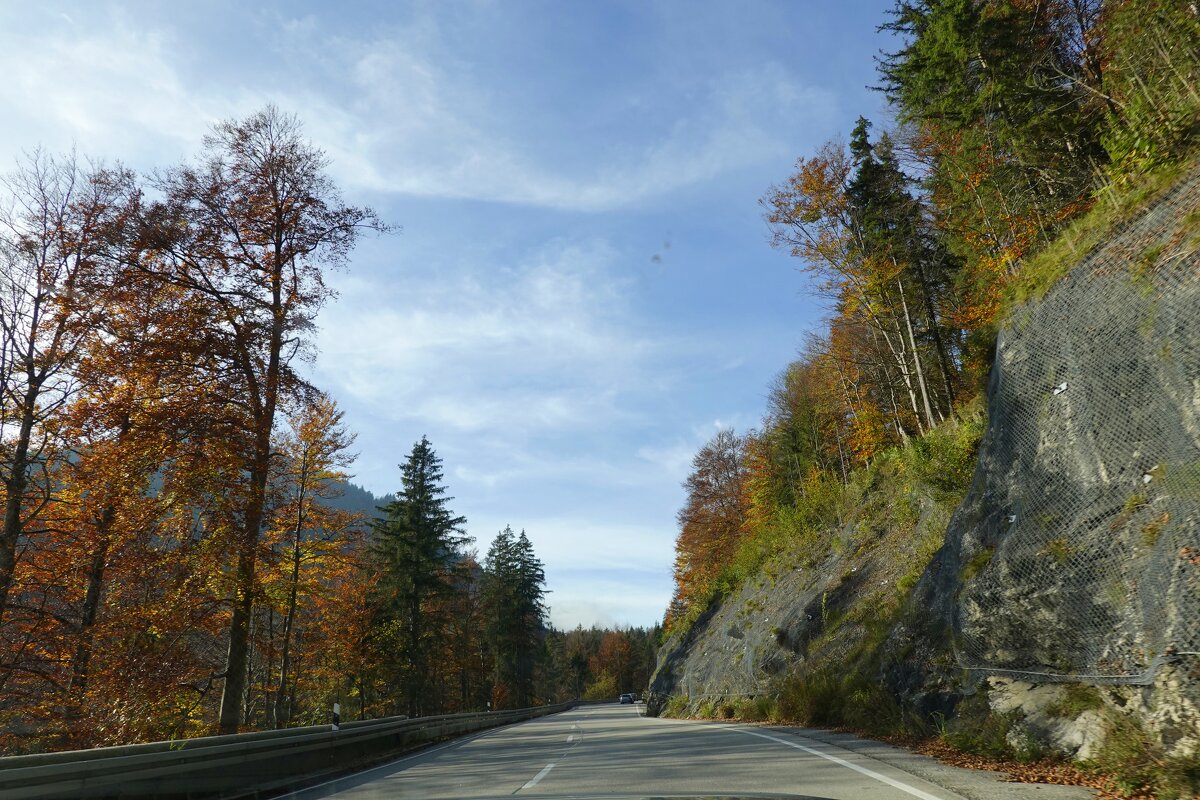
(1115, 203)
(1137, 765)
(883, 501)
(978, 730)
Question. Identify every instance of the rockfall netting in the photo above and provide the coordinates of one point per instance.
(1079, 543)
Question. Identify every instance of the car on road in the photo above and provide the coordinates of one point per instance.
(626, 698)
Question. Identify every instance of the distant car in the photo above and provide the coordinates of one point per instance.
(626, 698)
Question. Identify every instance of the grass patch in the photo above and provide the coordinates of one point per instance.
(832, 697)
(756, 709)
(1154, 528)
(1132, 759)
(676, 706)
(1058, 549)
(1134, 502)
(978, 730)
(1076, 698)
(1115, 203)
(976, 564)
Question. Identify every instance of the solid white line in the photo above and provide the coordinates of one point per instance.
(904, 787)
(537, 778)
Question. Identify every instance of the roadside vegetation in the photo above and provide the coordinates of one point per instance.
(1023, 134)
(175, 556)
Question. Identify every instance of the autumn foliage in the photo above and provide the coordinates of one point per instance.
(1011, 119)
(173, 558)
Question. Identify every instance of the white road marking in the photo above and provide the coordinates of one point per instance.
(537, 778)
(389, 764)
(904, 787)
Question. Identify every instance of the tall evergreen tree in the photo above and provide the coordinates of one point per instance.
(891, 227)
(417, 544)
(1002, 99)
(514, 592)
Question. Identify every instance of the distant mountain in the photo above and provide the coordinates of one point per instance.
(356, 499)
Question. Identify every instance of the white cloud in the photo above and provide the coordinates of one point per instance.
(112, 90)
(543, 345)
(433, 134)
(608, 603)
(527, 371)
(393, 109)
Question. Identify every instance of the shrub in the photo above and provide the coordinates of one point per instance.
(756, 709)
(1137, 764)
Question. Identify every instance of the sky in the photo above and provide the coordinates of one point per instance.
(581, 290)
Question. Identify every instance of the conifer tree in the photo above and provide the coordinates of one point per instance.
(514, 591)
(417, 544)
(892, 232)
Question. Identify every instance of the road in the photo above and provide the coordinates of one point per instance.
(612, 750)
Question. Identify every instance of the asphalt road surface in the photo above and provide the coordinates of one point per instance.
(610, 750)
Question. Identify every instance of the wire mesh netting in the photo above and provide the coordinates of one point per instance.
(1079, 544)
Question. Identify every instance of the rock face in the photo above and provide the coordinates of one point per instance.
(799, 613)
(1076, 546)
(1075, 556)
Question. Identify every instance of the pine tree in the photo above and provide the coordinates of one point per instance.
(514, 592)
(892, 232)
(417, 544)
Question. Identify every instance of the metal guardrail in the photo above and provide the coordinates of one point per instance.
(237, 765)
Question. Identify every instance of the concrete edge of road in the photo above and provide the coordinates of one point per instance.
(973, 784)
(329, 783)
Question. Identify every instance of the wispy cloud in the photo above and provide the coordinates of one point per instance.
(548, 379)
(397, 113)
(413, 106)
(547, 344)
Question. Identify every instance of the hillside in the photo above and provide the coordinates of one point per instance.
(1048, 601)
(357, 500)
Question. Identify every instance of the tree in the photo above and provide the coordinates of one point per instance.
(417, 544)
(850, 216)
(1006, 100)
(310, 532)
(892, 228)
(252, 229)
(514, 592)
(710, 522)
(54, 236)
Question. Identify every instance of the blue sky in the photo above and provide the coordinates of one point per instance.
(582, 292)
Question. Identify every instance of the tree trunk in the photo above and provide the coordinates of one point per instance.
(281, 712)
(15, 486)
(916, 356)
(935, 330)
(91, 605)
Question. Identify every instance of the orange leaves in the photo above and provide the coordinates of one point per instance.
(808, 214)
(710, 523)
(146, 354)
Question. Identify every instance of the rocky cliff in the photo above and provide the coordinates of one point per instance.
(1073, 559)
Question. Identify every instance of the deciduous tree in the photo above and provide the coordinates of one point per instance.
(253, 228)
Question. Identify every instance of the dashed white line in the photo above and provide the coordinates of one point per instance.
(537, 778)
(904, 787)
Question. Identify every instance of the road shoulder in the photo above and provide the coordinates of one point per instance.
(970, 783)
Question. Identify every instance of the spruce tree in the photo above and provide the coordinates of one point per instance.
(417, 543)
(514, 592)
(892, 226)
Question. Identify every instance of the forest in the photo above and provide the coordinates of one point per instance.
(177, 558)
(1020, 131)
